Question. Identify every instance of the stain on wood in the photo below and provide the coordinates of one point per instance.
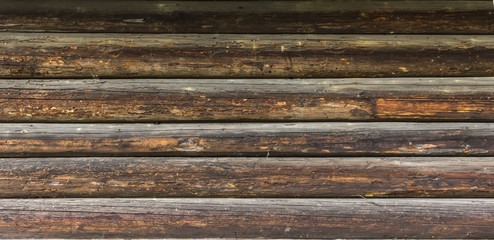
(43, 55)
(248, 139)
(170, 100)
(434, 17)
(247, 177)
(247, 218)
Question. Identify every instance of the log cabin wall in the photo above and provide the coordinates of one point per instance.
(247, 119)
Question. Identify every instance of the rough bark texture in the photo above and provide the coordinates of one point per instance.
(250, 218)
(165, 100)
(242, 56)
(248, 139)
(351, 16)
(247, 177)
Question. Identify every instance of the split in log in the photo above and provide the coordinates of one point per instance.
(248, 139)
(173, 100)
(247, 177)
(37, 55)
(247, 218)
(350, 16)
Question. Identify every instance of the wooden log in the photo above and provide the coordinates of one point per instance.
(246, 177)
(243, 56)
(169, 100)
(248, 139)
(352, 16)
(249, 218)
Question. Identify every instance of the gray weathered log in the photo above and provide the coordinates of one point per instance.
(170, 100)
(242, 56)
(248, 139)
(247, 218)
(247, 177)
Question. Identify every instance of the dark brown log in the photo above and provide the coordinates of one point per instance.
(162, 100)
(248, 139)
(247, 218)
(239, 56)
(350, 16)
(246, 177)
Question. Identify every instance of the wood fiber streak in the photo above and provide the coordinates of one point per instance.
(170, 100)
(427, 17)
(247, 218)
(42, 55)
(246, 177)
(248, 139)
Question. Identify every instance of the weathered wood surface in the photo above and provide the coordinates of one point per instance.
(357, 16)
(248, 139)
(247, 218)
(247, 177)
(162, 100)
(242, 56)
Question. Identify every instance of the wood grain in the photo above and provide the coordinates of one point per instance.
(351, 16)
(248, 139)
(249, 218)
(43, 55)
(171, 100)
(247, 177)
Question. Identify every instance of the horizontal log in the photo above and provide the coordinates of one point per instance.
(247, 218)
(247, 177)
(169, 100)
(353, 16)
(248, 139)
(243, 56)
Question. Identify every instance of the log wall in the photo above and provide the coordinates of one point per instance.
(246, 119)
